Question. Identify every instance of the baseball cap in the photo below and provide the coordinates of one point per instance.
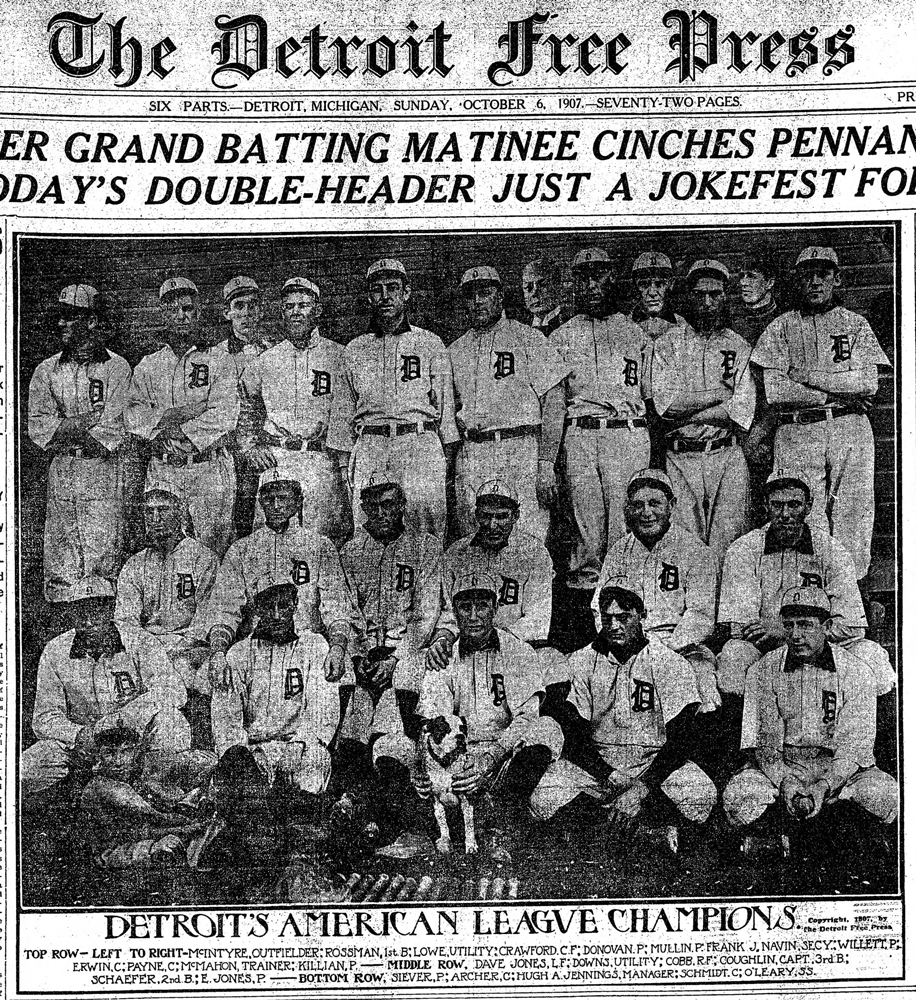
(480, 273)
(615, 586)
(276, 475)
(78, 296)
(239, 285)
(300, 285)
(590, 257)
(811, 600)
(781, 478)
(162, 486)
(175, 286)
(818, 255)
(380, 478)
(498, 489)
(708, 267)
(468, 582)
(652, 262)
(651, 477)
(271, 585)
(389, 265)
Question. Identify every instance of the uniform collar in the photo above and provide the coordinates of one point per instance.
(287, 639)
(639, 314)
(493, 326)
(99, 356)
(309, 344)
(490, 646)
(109, 646)
(377, 331)
(824, 661)
(544, 322)
(477, 543)
(804, 546)
(600, 645)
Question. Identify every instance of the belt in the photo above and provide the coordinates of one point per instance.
(182, 460)
(77, 453)
(397, 430)
(596, 423)
(680, 444)
(476, 436)
(818, 415)
(293, 444)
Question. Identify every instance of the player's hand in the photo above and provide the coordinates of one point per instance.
(763, 632)
(84, 746)
(477, 769)
(710, 699)
(178, 415)
(335, 663)
(817, 792)
(260, 459)
(789, 789)
(421, 783)
(440, 652)
(219, 672)
(622, 812)
(168, 848)
(546, 484)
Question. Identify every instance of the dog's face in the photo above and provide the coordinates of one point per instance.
(446, 738)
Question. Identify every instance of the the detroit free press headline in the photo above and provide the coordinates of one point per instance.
(456, 498)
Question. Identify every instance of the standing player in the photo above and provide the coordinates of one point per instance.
(76, 412)
(295, 381)
(653, 278)
(396, 404)
(607, 439)
(703, 389)
(185, 400)
(821, 373)
(541, 289)
(509, 405)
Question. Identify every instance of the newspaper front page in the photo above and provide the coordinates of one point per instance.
(455, 514)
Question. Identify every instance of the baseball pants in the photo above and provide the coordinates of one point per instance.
(313, 770)
(750, 793)
(689, 788)
(83, 528)
(513, 460)
(47, 762)
(324, 504)
(712, 489)
(209, 489)
(419, 463)
(599, 464)
(837, 459)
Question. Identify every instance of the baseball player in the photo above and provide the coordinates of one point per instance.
(821, 373)
(92, 677)
(295, 383)
(788, 552)
(166, 583)
(541, 291)
(395, 405)
(675, 573)
(509, 406)
(281, 705)
(493, 680)
(809, 720)
(607, 439)
(185, 400)
(626, 726)
(653, 279)
(703, 389)
(284, 550)
(76, 413)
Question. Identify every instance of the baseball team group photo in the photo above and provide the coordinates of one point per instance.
(458, 565)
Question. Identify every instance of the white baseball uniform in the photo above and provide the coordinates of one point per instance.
(135, 684)
(84, 515)
(501, 376)
(396, 402)
(655, 326)
(704, 460)
(205, 476)
(826, 435)
(813, 721)
(280, 704)
(606, 439)
(296, 386)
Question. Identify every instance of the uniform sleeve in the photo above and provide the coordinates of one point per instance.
(444, 387)
(675, 682)
(145, 408)
(437, 694)
(854, 737)
(740, 595)
(580, 689)
(252, 378)
(427, 596)
(223, 406)
(783, 391)
(227, 708)
(343, 410)
(867, 350)
(322, 699)
(447, 583)
(547, 367)
(762, 728)
(206, 568)
(49, 718)
(743, 403)
(44, 414)
(665, 376)
(110, 430)
(517, 730)
(338, 610)
(699, 619)
(129, 592)
(771, 351)
(228, 596)
(648, 354)
(534, 623)
(848, 621)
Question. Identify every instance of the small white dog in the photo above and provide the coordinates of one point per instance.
(445, 746)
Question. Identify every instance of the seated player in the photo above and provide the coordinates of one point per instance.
(809, 724)
(673, 570)
(161, 588)
(493, 680)
(788, 552)
(627, 728)
(93, 677)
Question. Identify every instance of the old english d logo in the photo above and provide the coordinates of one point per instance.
(293, 682)
(405, 577)
(828, 702)
(96, 391)
(630, 372)
(669, 578)
(643, 696)
(410, 368)
(185, 586)
(842, 349)
(125, 685)
(508, 592)
(321, 383)
(299, 573)
(811, 579)
(728, 365)
(504, 365)
(199, 376)
(498, 689)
